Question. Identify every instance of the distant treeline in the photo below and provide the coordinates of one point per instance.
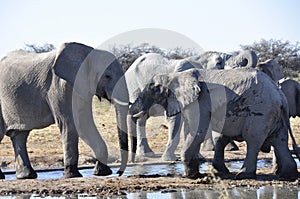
(284, 52)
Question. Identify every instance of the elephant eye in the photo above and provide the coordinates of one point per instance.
(107, 76)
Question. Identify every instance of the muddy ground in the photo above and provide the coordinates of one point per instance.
(45, 151)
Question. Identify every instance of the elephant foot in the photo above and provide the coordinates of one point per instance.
(71, 172)
(101, 169)
(169, 157)
(25, 173)
(202, 159)
(288, 176)
(221, 168)
(231, 146)
(2, 176)
(191, 169)
(144, 149)
(145, 154)
(245, 175)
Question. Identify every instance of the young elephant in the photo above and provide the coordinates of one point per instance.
(230, 102)
(39, 89)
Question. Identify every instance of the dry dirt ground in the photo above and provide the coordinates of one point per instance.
(45, 151)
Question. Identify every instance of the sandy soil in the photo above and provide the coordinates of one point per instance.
(45, 151)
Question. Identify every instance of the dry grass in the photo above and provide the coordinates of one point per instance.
(47, 142)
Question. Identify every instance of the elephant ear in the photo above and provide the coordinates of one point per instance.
(70, 59)
(183, 89)
(272, 69)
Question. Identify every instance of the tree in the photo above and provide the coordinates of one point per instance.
(285, 53)
(39, 49)
(127, 54)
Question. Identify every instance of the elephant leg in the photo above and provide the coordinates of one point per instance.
(286, 165)
(189, 155)
(131, 124)
(218, 160)
(143, 148)
(174, 123)
(24, 169)
(70, 148)
(248, 170)
(197, 129)
(2, 176)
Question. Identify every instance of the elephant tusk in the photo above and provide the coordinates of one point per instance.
(120, 102)
(140, 114)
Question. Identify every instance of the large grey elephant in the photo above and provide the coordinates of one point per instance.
(148, 65)
(37, 90)
(271, 68)
(230, 102)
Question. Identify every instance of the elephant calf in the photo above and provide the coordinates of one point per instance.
(229, 102)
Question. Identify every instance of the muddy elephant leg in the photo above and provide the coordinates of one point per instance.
(196, 121)
(190, 155)
(248, 170)
(218, 160)
(174, 124)
(286, 165)
(143, 148)
(24, 169)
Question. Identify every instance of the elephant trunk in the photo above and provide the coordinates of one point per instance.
(120, 99)
(246, 58)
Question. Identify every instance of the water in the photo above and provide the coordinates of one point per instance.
(150, 169)
(177, 168)
(251, 193)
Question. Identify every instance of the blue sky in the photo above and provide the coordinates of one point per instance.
(214, 25)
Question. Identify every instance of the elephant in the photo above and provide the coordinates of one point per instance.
(145, 67)
(291, 90)
(39, 89)
(218, 60)
(289, 87)
(229, 102)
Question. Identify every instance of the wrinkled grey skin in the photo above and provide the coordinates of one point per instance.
(291, 90)
(57, 87)
(230, 102)
(140, 73)
(272, 69)
(289, 87)
(245, 58)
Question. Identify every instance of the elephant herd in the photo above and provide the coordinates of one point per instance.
(213, 95)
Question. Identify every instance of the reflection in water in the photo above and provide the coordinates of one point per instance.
(151, 169)
(245, 193)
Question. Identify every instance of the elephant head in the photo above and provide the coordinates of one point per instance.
(94, 72)
(174, 92)
(210, 60)
(247, 58)
(272, 69)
